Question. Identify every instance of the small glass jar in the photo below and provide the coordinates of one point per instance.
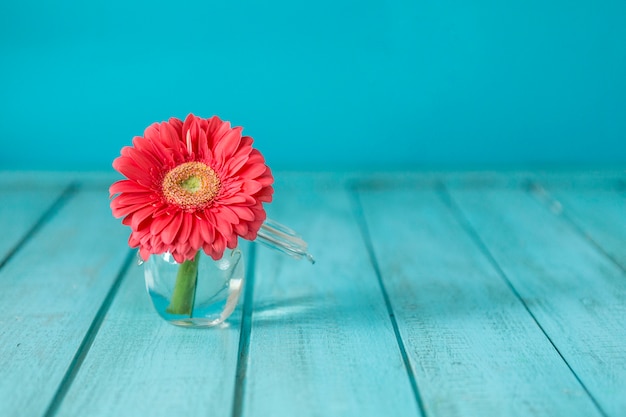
(207, 299)
(204, 292)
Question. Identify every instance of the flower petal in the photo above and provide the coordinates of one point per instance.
(185, 227)
(227, 145)
(195, 237)
(252, 171)
(171, 230)
(243, 213)
(207, 230)
(160, 223)
(140, 216)
(127, 167)
(126, 186)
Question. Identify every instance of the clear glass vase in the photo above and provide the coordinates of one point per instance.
(205, 292)
(203, 300)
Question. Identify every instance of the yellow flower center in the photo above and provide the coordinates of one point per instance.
(191, 185)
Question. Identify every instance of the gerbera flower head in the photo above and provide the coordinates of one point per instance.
(191, 185)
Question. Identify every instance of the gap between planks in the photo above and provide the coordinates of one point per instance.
(90, 336)
(526, 185)
(360, 218)
(54, 208)
(448, 200)
(546, 198)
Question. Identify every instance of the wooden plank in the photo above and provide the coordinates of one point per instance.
(50, 292)
(576, 294)
(41, 180)
(599, 213)
(321, 342)
(139, 365)
(474, 349)
(20, 210)
(604, 178)
(33, 180)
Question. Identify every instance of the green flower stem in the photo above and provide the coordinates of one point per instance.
(185, 288)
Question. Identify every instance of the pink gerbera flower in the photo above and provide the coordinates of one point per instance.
(197, 184)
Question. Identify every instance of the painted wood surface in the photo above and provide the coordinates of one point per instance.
(321, 342)
(139, 365)
(50, 292)
(598, 212)
(21, 210)
(482, 298)
(576, 294)
(473, 346)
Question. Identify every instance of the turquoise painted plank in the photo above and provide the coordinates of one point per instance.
(33, 180)
(46, 179)
(50, 292)
(139, 365)
(600, 213)
(321, 341)
(474, 348)
(20, 210)
(576, 294)
(603, 178)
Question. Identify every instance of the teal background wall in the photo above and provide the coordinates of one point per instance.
(324, 84)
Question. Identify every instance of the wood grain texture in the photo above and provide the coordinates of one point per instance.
(139, 365)
(20, 210)
(474, 348)
(506, 302)
(321, 341)
(49, 292)
(599, 213)
(576, 294)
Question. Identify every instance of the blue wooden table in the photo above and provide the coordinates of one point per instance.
(434, 294)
